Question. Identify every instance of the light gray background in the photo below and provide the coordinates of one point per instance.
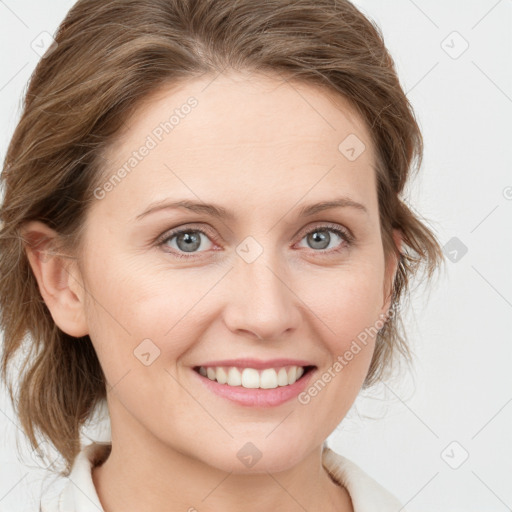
(458, 400)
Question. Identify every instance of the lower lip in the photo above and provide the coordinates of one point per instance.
(257, 397)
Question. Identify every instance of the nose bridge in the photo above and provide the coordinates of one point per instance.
(260, 282)
(261, 301)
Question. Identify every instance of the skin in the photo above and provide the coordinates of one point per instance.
(263, 148)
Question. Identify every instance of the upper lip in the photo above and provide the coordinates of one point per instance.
(257, 364)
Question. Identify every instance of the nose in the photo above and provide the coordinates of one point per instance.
(261, 302)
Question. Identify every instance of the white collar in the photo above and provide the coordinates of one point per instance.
(367, 495)
(79, 493)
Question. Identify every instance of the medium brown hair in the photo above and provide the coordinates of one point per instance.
(110, 56)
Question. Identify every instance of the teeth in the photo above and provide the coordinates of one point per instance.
(251, 378)
(282, 377)
(234, 377)
(221, 375)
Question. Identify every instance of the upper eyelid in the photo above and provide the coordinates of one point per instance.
(327, 225)
(170, 233)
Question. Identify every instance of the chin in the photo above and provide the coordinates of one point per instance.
(257, 456)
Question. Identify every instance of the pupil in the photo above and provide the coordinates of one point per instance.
(192, 241)
(320, 239)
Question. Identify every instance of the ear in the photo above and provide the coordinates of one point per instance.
(391, 270)
(58, 278)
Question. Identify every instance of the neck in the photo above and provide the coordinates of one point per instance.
(142, 473)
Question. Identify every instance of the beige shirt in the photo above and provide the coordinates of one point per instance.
(79, 493)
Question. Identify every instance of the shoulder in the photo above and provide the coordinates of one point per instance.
(367, 494)
(79, 493)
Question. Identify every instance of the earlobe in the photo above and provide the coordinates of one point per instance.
(57, 277)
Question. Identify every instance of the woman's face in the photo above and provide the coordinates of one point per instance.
(265, 276)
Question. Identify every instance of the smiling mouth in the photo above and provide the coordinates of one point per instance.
(251, 378)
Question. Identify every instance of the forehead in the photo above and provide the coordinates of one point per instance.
(242, 136)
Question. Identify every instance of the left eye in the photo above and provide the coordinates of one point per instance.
(189, 240)
(319, 238)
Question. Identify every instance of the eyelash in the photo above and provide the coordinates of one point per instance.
(345, 235)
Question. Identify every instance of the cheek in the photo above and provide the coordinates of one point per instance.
(347, 306)
(129, 304)
(347, 301)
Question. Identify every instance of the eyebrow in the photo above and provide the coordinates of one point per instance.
(221, 213)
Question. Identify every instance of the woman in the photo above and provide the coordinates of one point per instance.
(203, 226)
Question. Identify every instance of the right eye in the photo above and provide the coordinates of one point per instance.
(183, 241)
